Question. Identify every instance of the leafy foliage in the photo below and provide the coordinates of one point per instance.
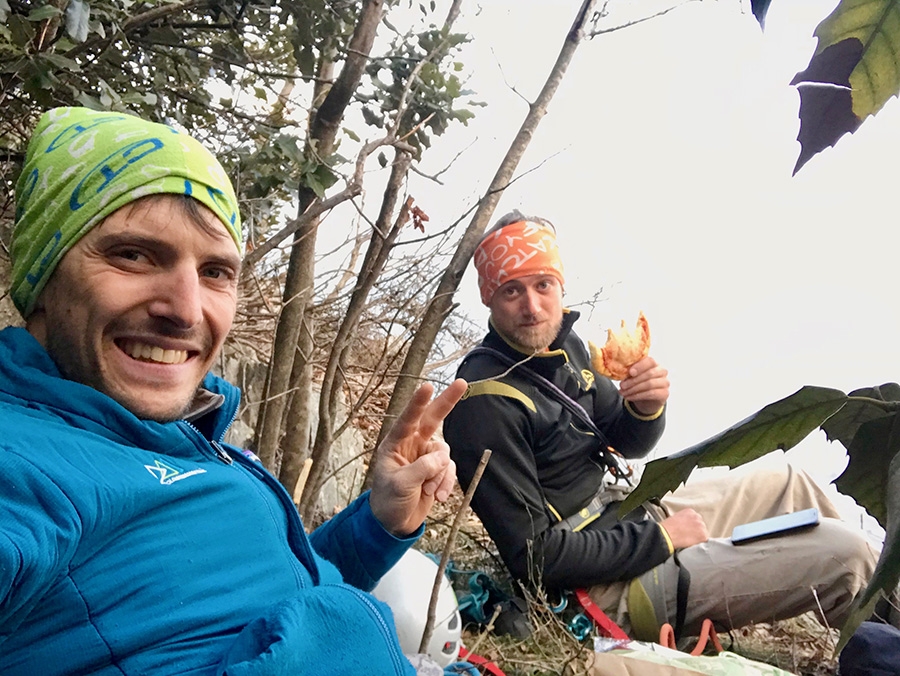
(887, 571)
(853, 72)
(866, 422)
(238, 74)
(434, 91)
(781, 425)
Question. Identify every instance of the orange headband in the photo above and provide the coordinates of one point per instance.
(516, 250)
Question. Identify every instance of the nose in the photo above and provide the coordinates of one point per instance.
(177, 297)
(530, 302)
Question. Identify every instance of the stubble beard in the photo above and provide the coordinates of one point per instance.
(537, 338)
(89, 371)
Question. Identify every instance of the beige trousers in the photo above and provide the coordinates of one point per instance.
(821, 569)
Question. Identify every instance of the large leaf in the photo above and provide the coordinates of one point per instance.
(863, 405)
(782, 425)
(853, 72)
(887, 570)
(871, 452)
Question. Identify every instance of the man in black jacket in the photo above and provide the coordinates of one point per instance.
(543, 494)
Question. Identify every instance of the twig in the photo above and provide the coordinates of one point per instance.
(445, 555)
(301, 480)
(824, 619)
(487, 630)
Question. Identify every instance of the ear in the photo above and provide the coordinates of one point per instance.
(36, 322)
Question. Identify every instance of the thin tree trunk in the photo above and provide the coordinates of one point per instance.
(301, 268)
(287, 332)
(442, 302)
(376, 256)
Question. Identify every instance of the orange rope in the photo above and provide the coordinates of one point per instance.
(707, 633)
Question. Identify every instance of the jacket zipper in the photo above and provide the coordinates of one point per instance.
(221, 453)
(295, 526)
(387, 634)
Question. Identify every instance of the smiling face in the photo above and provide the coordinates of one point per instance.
(140, 306)
(528, 311)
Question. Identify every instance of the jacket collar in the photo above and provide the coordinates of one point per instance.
(542, 362)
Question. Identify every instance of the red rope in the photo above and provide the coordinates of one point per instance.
(480, 661)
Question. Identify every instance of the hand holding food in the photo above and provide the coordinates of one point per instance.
(622, 350)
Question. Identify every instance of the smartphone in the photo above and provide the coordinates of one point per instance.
(776, 525)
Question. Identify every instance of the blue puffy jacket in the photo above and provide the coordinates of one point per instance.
(135, 547)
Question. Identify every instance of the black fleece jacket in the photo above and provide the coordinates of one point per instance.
(544, 465)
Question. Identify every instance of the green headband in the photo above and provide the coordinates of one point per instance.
(81, 166)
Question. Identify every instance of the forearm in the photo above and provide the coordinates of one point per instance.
(628, 430)
(588, 557)
(536, 552)
(358, 545)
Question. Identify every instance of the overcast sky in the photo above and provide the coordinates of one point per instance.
(665, 162)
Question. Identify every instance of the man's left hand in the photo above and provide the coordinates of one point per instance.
(411, 468)
(646, 387)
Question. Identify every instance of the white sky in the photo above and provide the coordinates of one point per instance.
(667, 157)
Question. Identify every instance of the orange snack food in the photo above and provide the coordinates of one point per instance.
(622, 350)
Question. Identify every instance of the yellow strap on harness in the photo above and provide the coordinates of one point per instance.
(499, 389)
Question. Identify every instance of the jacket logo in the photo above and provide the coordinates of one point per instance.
(167, 474)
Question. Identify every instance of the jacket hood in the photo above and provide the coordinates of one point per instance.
(29, 377)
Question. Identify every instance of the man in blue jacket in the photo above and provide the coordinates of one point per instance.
(133, 540)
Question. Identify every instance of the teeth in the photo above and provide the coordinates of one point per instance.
(154, 353)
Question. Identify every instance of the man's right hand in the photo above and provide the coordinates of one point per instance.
(685, 528)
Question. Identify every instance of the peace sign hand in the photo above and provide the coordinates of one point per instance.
(411, 468)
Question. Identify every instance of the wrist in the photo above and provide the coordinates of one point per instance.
(641, 413)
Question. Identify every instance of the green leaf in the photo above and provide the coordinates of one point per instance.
(22, 31)
(78, 16)
(876, 24)
(873, 448)
(4, 10)
(864, 404)
(312, 182)
(89, 101)
(782, 424)
(887, 570)
(59, 61)
(44, 12)
(853, 72)
(325, 177)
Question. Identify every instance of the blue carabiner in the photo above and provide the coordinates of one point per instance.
(581, 626)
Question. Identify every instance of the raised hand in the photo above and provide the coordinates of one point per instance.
(412, 469)
(646, 387)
